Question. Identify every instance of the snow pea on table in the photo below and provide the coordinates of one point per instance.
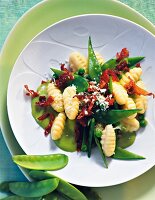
(64, 187)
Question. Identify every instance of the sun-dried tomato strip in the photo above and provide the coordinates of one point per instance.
(44, 116)
(43, 102)
(132, 88)
(31, 93)
(49, 126)
(123, 54)
(110, 100)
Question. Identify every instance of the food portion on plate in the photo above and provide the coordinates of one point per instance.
(91, 103)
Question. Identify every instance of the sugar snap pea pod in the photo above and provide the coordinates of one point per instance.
(84, 147)
(123, 154)
(111, 64)
(64, 187)
(15, 197)
(126, 139)
(34, 189)
(97, 141)
(94, 68)
(91, 135)
(41, 162)
(112, 116)
(80, 82)
(55, 196)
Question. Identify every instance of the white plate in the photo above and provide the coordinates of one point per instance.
(109, 35)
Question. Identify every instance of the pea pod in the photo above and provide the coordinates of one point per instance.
(4, 187)
(97, 141)
(79, 81)
(15, 197)
(55, 196)
(64, 187)
(84, 147)
(38, 111)
(67, 140)
(111, 64)
(41, 162)
(112, 116)
(123, 154)
(34, 189)
(91, 135)
(126, 139)
(94, 68)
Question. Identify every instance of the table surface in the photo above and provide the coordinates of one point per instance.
(10, 12)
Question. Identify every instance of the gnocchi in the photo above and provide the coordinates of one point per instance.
(130, 124)
(58, 126)
(130, 104)
(120, 94)
(53, 91)
(108, 140)
(71, 103)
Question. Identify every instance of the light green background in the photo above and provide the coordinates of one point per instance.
(12, 10)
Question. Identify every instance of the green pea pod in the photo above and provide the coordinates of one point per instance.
(126, 139)
(111, 64)
(84, 147)
(123, 154)
(67, 141)
(64, 187)
(112, 116)
(55, 196)
(4, 187)
(91, 135)
(41, 162)
(15, 197)
(94, 68)
(80, 82)
(34, 189)
(97, 141)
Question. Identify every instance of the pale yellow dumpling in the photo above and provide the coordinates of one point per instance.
(71, 103)
(108, 140)
(130, 124)
(120, 94)
(53, 91)
(77, 61)
(58, 126)
(130, 104)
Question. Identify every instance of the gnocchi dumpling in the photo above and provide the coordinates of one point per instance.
(53, 91)
(130, 104)
(130, 124)
(77, 61)
(133, 74)
(108, 140)
(71, 103)
(99, 58)
(120, 94)
(141, 100)
(58, 126)
(141, 103)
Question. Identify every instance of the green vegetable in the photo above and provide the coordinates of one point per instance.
(125, 139)
(97, 141)
(79, 81)
(123, 154)
(34, 189)
(81, 71)
(111, 64)
(67, 141)
(15, 197)
(94, 68)
(38, 111)
(64, 187)
(42, 162)
(90, 137)
(112, 116)
(98, 133)
(84, 141)
(55, 196)
(4, 187)
(143, 123)
(141, 117)
(110, 85)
